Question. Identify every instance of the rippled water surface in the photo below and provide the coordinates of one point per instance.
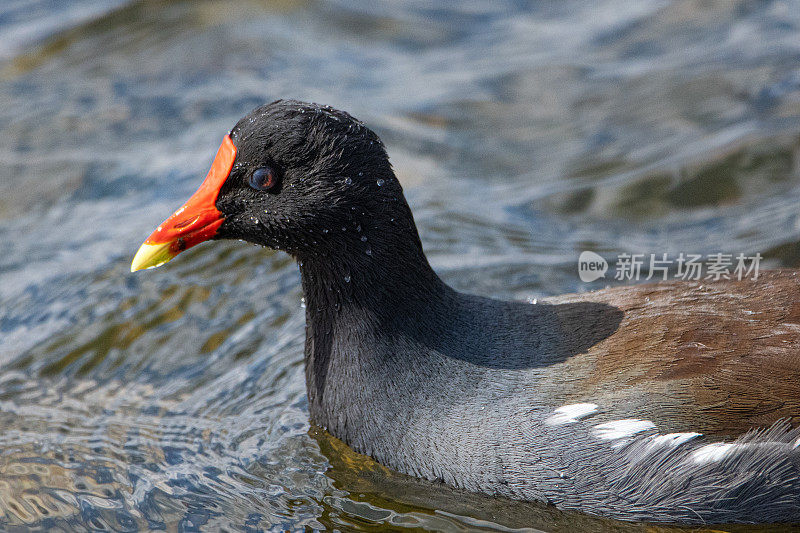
(523, 133)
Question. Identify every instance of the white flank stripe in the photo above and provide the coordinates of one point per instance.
(620, 429)
(567, 414)
(673, 439)
(712, 452)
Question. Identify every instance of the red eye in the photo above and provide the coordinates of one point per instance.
(263, 179)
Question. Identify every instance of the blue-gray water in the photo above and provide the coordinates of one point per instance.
(523, 132)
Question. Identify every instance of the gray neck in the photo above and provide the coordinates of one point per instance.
(356, 301)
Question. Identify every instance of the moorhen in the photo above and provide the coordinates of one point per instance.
(671, 402)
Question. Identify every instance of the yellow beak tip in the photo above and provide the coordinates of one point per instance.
(151, 256)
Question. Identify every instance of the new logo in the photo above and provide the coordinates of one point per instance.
(591, 266)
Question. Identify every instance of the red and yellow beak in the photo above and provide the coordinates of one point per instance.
(197, 221)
